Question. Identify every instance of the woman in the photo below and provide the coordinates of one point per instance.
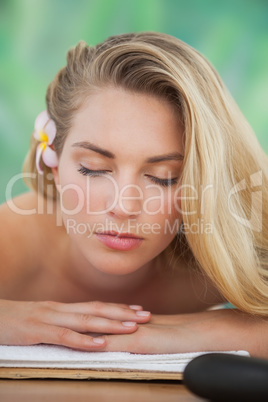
(143, 214)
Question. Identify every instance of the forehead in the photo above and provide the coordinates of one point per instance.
(122, 120)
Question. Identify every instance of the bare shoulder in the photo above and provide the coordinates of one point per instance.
(26, 227)
(20, 215)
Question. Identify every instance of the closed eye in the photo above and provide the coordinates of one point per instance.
(163, 182)
(95, 173)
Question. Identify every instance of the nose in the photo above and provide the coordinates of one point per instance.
(127, 203)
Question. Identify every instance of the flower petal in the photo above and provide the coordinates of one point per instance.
(36, 135)
(41, 120)
(39, 150)
(50, 130)
(50, 157)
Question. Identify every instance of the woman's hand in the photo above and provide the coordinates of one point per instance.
(29, 323)
(163, 334)
(217, 330)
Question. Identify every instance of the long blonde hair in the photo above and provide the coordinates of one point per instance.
(222, 154)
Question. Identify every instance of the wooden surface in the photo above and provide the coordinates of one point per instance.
(90, 391)
(80, 374)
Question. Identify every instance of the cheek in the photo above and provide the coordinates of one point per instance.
(72, 198)
(170, 219)
(100, 195)
(86, 195)
(163, 202)
(163, 215)
(70, 192)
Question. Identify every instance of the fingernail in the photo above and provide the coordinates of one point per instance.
(99, 341)
(135, 307)
(129, 323)
(143, 313)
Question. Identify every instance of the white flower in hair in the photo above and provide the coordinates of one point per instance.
(45, 132)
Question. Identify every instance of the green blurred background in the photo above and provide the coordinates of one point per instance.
(36, 34)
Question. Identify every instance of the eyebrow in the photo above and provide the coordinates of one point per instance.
(154, 159)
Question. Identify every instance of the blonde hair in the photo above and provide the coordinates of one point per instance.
(222, 154)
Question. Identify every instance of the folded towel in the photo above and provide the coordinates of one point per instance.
(50, 356)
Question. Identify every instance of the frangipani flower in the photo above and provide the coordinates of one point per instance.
(45, 132)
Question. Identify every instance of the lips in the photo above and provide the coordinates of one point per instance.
(120, 235)
(119, 241)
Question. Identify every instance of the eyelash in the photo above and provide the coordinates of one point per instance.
(95, 173)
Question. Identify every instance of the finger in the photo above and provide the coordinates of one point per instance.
(113, 311)
(135, 307)
(89, 323)
(66, 337)
(123, 343)
(85, 306)
(146, 340)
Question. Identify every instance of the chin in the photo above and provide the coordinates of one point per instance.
(117, 272)
(119, 265)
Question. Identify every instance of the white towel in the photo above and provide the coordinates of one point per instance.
(50, 356)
